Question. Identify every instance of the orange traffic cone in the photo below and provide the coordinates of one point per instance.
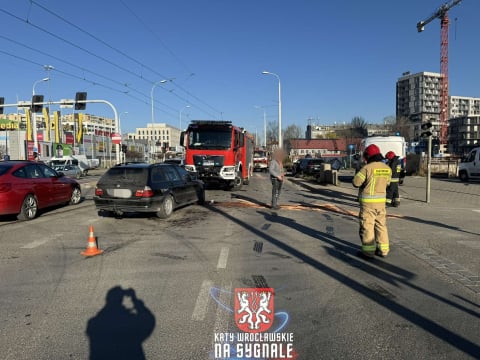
(92, 248)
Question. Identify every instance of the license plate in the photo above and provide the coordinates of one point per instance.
(208, 163)
(120, 193)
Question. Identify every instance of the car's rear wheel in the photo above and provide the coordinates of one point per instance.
(29, 208)
(76, 196)
(166, 208)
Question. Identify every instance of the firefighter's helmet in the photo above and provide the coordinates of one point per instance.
(390, 155)
(370, 151)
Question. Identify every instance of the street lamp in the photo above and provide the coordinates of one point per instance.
(153, 113)
(48, 68)
(264, 124)
(279, 107)
(187, 106)
(119, 121)
(37, 82)
(34, 117)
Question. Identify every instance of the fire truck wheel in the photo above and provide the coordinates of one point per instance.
(238, 182)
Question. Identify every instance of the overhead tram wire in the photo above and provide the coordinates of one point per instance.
(149, 29)
(87, 80)
(74, 45)
(103, 59)
(122, 52)
(129, 88)
(67, 62)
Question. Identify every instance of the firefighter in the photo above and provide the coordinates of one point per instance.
(373, 179)
(393, 197)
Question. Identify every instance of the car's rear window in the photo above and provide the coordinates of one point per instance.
(4, 169)
(137, 176)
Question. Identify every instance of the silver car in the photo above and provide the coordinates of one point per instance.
(72, 171)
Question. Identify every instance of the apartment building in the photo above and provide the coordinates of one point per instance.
(418, 100)
(418, 96)
(464, 134)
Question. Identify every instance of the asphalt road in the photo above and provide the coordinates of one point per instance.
(184, 270)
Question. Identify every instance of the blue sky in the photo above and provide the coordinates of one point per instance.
(336, 59)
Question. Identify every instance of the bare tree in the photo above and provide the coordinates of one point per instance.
(359, 126)
(272, 132)
(403, 125)
(292, 132)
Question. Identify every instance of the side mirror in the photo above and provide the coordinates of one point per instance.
(182, 137)
(60, 174)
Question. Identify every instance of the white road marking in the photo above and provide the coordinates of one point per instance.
(476, 210)
(222, 259)
(34, 244)
(203, 298)
(222, 315)
(228, 230)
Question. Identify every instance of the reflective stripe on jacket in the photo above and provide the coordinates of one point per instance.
(373, 179)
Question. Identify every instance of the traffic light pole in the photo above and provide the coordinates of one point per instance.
(117, 128)
(429, 167)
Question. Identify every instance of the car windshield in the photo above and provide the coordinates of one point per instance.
(260, 154)
(209, 139)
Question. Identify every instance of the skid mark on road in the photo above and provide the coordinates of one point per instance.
(34, 244)
(39, 242)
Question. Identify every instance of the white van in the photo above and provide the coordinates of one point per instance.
(469, 168)
(396, 144)
(79, 160)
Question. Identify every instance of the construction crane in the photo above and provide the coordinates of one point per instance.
(442, 14)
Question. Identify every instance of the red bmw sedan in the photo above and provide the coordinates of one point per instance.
(27, 186)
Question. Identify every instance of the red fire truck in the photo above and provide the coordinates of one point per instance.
(218, 152)
(260, 160)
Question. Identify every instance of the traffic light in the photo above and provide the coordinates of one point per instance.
(2, 101)
(124, 148)
(36, 108)
(80, 96)
(426, 127)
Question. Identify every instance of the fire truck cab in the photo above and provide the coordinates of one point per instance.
(218, 151)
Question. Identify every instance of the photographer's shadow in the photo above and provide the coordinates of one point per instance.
(118, 331)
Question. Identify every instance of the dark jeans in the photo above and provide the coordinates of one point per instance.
(276, 189)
